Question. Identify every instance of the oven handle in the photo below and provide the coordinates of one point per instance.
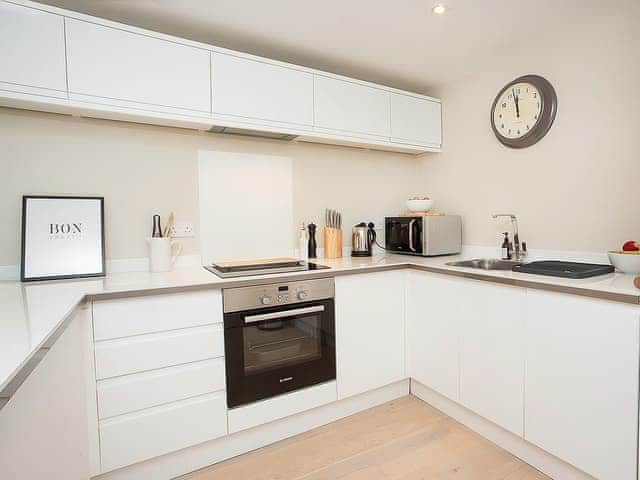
(286, 313)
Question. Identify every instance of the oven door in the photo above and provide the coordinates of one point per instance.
(275, 350)
(404, 234)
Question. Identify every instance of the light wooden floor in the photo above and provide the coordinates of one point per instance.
(401, 440)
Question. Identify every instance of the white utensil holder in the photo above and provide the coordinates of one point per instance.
(163, 253)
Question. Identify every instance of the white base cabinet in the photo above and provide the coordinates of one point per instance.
(433, 325)
(370, 331)
(492, 352)
(160, 374)
(581, 389)
(44, 427)
(466, 343)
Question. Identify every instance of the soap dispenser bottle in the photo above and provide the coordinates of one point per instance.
(506, 247)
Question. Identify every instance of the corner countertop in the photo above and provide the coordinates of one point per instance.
(32, 315)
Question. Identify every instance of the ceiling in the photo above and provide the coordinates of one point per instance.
(398, 43)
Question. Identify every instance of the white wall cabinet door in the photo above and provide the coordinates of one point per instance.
(123, 66)
(434, 318)
(259, 90)
(370, 331)
(581, 389)
(492, 352)
(415, 120)
(31, 49)
(351, 108)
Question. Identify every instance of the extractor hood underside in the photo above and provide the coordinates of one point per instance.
(252, 133)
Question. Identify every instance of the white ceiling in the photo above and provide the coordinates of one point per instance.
(398, 43)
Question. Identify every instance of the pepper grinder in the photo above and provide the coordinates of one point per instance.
(313, 246)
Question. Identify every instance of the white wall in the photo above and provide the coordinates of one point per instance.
(577, 189)
(141, 170)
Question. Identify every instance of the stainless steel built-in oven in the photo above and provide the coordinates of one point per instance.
(278, 338)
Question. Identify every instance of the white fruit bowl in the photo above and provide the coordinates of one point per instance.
(420, 205)
(625, 262)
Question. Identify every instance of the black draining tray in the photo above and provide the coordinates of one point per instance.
(555, 268)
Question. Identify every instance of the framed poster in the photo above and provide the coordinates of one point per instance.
(62, 237)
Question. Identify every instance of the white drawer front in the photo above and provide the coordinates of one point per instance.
(157, 350)
(134, 316)
(275, 408)
(138, 436)
(117, 396)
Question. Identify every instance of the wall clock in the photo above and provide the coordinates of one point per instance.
(524, 111)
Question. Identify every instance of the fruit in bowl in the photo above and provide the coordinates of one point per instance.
(419, 203)
(626, 260)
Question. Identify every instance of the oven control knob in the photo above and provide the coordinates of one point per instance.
(302, 295)
(265, 300)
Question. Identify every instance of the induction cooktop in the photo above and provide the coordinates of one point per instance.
(245, 268)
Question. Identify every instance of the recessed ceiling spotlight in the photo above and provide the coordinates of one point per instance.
(439, 9)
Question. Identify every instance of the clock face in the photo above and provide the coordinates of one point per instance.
(524, 111)
(517, 110)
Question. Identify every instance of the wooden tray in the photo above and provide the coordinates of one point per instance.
(422, 214)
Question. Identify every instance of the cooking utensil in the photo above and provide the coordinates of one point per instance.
(168, 226)
(157, 228)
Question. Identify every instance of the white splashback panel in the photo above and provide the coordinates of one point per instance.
(246, 206)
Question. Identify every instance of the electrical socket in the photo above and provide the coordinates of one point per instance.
(182, 229)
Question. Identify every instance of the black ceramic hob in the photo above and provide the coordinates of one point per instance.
(554, 268)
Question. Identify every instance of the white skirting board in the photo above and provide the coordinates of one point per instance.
(534, 456)
(200, 456)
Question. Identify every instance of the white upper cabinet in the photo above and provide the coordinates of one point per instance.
(370, 331)
(118, 65)
(581, 388)
(351, 108)
(259, 90)
(58, 61)
(416, 121)
(31, 49)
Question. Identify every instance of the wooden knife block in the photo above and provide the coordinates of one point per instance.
(332, 243)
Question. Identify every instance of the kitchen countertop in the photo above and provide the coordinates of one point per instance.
(33, 315)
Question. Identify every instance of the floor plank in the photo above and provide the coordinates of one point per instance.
(400, 440)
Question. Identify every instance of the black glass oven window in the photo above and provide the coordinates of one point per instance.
(273, 344)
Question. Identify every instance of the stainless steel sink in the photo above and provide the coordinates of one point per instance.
(486, 264)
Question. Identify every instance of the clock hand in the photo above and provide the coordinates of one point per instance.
(515, 99)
